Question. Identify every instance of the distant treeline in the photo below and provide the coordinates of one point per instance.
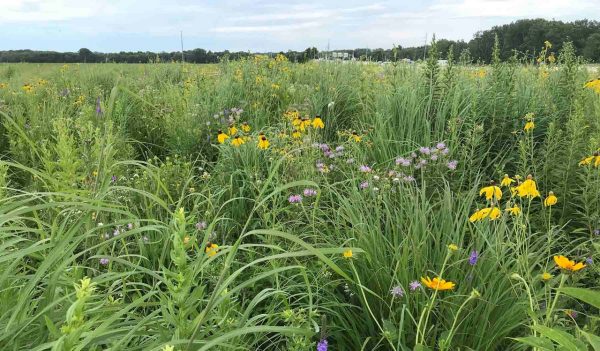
(526, 37)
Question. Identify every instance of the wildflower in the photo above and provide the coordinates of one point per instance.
(211, 249)
(514, 210)
(414, 285)
(28, 88)
(473, 258)
(113, 179)
(424, 150)
(221, 137)
(397, 291)
(437, 284)
(263, 143)
(491, 192)
(595, 158)
(322, 345)
(440, 146)
(571, 313)
(365, 168)
(245, 127)
(570, 265)
(506, 181)
(232, 129)
(237, 141)
(201, 225)
(295, 199)
(129, 226)
(589, 260)
(296, 134)
(308, 192)
(404, 162)
(357, 138)
(452, 165)
(145, 238)
(593, 84)
(546, 276)
(528, 188)
(347, 254)
(104, 261)
(529, 126)
(452, 247)
(550, 200)
(318, 123)
(596, 231)
(168, 348)
(364, 185)
(304, 123)
(98, 107)
(492, 213)
(434, 157)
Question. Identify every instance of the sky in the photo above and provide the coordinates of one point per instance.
(260, 26)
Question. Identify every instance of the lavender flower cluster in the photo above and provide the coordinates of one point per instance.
(427, 156)
(230, 115)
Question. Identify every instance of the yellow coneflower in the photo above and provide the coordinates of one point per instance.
(546, 276)
(529, 126)
(296, 122)
(357, 138)
(437, 284)
(551, 200)
(263, 143)
(593, 84)
(491, 192)
(296, 134)
(318, 123)
(492, 213)
(595, 159)
(221, 137)
(211, 249)
(527, 189)
(514, 210)
(566, 264)
(246, 127)
(347, 254)
(237, 141)
(304, 123)
(232, 130)
(28, 88)
(507, 181)
(452, 247)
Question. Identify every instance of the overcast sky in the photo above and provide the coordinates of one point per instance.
(258, 25)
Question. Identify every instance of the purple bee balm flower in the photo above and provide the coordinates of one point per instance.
(113, 179)
(129, 226)
(350, 160)
(414, 285)
(413, 155)
(473, 258)
(423, 162)
(445, 151)
(434, 157)
(365, 168)
(425, 150)
(364, 185)
(324, 147)
(116, 232)
(322, 345)
(409, 179)
(404, 162)
(339, 148)
(201, 225)
(295, 199)
(98, 107)
(589, 260)
(397, 291)
(440, 146)
(308, 192)
(452, 165)
(104, 261)
(327, 153)
(596, 231)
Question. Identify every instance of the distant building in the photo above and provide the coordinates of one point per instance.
(442, 62)
(340, 55)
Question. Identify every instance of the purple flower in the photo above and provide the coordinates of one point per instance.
(414, 285)
(129, 226)
(571, 313)
(322, 345)
(413, 155)
(445, 151)
(116, 232)
(397, 291)
(308, 192)
(295, 199)
(324, 147)
(350, 160)
(452, 164)
(364, 185)
(104, 261)
(339, 148)
(424, 150)
(328, 153)
(98, 107)
(113, 179)
(409, 179)
(201, 225)
(589, 260)
(145, 238)
(401, 161)
(596, 231)
(440, 146)
(473, 258)
(365, 168)
(434, 157)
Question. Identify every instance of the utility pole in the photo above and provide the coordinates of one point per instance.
(181, 36)
(327, 55)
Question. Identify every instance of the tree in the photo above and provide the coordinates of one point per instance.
(591, 51)
(85, 55)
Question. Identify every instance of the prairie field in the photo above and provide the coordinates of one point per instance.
(261, 204)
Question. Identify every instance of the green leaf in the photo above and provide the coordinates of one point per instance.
(586, 295)
(561, 337)
(537, 342)
(593, 339)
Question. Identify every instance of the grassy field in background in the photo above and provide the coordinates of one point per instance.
(266, 205)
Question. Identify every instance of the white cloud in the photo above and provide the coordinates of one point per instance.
(266, 28)
(513, 8)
